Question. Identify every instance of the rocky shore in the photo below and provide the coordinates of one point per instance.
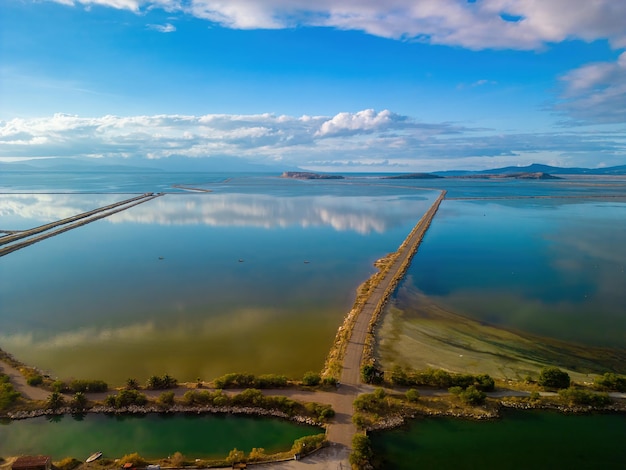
(139, 410)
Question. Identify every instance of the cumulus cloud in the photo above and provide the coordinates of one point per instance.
(365, 138)
(596, 92)
(516, 24)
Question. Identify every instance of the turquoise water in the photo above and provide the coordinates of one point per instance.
(152, 436)
(521, 440)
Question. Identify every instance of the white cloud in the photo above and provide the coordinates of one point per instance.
(367, 137)
(516, 24)
(364, 121)
(596, 92)
(162, 28)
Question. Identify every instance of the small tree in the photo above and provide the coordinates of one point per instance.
(79, 402)
(55, 401)
(553, 377)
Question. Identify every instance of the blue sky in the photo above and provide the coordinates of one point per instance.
(344, 85)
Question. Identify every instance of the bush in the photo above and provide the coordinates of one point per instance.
(271, 381)
(311, 379)
(361, 452)
(8, 395)
(307, 444)
(87, 386)
(611, 381)
(330, 381)
(59, 386)
(160, 383)
(67, 463)
(440, 378)
(553, 377)
(34, 380)
(576, 396)
(371, 402)
(472, 396)
(126, 398)
(412, 395)
(371, 375)
(321, 412)
(235, 381)
(166, 398)
(235, 456)
(134, 459)
(249, 397)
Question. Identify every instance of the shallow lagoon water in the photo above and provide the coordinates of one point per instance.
(553, 267)
(255, 276)
(152, 436)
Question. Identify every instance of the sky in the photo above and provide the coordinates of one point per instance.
(330, 85)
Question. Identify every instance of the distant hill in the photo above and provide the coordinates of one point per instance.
(538, 168)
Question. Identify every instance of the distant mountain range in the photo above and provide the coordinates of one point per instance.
(538, 168)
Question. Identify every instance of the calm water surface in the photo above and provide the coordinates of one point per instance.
(522, 440)
(255, 276)
(152, 436)
(553, 267)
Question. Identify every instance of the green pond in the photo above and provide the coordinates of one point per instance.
(152, 436)
(521, 440)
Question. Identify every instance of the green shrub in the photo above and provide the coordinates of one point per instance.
(160, 383)
(87, 386)
(371, 375)
(126, 398)
(235, 381)
(249, 397)
(611, 381)
(576, 396)
(472, 396)
(271, 381)
(553, 377)
(8, 395)
(307, 444)
(166, 399)
(67, 463)
(361, 452)
(311, 379)
(34, 380)
(134, 459)
(412, 395)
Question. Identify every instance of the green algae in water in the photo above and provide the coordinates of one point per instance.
(152, 436)
(521, 440)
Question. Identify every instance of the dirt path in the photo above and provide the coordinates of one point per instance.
(19, 383)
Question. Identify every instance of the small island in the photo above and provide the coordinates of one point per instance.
(306, 175)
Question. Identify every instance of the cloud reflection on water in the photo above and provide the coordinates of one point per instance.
(360, 214)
